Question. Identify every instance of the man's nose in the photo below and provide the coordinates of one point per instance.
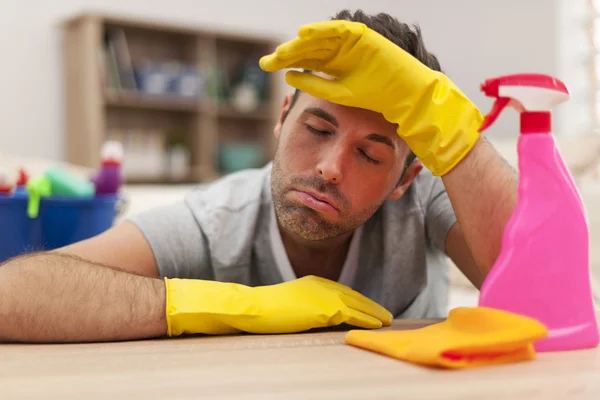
(330, 165)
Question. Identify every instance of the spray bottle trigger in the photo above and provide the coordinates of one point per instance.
(497, 108)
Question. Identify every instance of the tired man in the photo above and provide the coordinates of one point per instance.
(379, 175)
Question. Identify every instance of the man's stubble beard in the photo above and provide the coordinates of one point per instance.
(306, 222)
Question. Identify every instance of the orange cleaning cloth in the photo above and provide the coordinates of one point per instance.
(469, 337)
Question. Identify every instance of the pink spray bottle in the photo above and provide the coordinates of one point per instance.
(543, 268)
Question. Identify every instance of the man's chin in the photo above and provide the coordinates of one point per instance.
(306, 214)
(307, 224)
(303, 222)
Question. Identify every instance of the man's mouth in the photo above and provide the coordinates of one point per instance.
(316, 201)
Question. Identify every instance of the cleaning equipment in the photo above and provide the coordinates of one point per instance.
(15, 227)
(543, 269)
(59, 222)
(65, 184)
(469, 337)
(37, 188)
(56, 182)
(63, 221)
(110, 177)
(216, 308)
(57, 209)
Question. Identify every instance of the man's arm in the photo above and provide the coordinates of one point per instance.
(51, 297)
(123, 247)
(103, 288)
(483, 191)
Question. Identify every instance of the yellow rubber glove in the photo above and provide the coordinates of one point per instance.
(469, 337)
(198, 306)
(434, 118)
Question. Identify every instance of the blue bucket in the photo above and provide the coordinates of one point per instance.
(15, 227)
(60, 222)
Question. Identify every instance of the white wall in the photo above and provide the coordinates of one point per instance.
(474, 40)
(573, 118)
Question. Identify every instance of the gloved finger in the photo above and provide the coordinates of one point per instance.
(300, 48)
(357, 300)
(361, 320)
(330, 29)
(365, 305)
(317, 86)
(273, 62)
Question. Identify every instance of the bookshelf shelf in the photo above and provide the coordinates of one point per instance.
(262, 114)
(187, 103)
(150, 102)
(163, 180)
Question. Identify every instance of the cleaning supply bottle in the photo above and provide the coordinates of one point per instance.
(543, 269)
(56, 182)
(109, 178)
(66, 184)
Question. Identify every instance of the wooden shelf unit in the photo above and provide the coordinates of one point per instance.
(205, 124)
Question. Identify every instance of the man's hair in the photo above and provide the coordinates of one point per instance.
(404, 36)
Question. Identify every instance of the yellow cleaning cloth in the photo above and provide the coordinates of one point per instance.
(469, 337)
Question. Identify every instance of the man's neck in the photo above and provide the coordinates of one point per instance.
(322, 258)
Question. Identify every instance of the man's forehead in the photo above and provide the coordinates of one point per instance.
(370, 119)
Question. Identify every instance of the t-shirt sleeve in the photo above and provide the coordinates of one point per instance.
(177, 241)
(439, 214)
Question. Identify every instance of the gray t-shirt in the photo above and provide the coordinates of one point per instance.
(226, 231)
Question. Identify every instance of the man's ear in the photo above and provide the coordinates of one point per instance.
(411, 173)
(285, 107)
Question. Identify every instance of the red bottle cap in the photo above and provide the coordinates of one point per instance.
(533, 95)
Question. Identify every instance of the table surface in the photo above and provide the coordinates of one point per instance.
(297, 366)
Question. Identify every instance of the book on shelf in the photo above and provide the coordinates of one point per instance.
(147, 76)
(118, 68)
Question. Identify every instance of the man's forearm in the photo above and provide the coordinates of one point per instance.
(51, 297)
(483, 192)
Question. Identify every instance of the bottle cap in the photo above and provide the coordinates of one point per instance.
(112, 153)
(533, 95)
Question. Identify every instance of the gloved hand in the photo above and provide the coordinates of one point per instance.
(198, 306)
(469, 337)
(434, 118)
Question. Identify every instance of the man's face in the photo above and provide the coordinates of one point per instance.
(334, 166)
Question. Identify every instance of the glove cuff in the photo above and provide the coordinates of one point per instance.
(167, 302)
(450, 147)
(441, 127)
(199, 306)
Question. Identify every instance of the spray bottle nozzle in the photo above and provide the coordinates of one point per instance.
(490, 87)
(498, 106)
(526, 93)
